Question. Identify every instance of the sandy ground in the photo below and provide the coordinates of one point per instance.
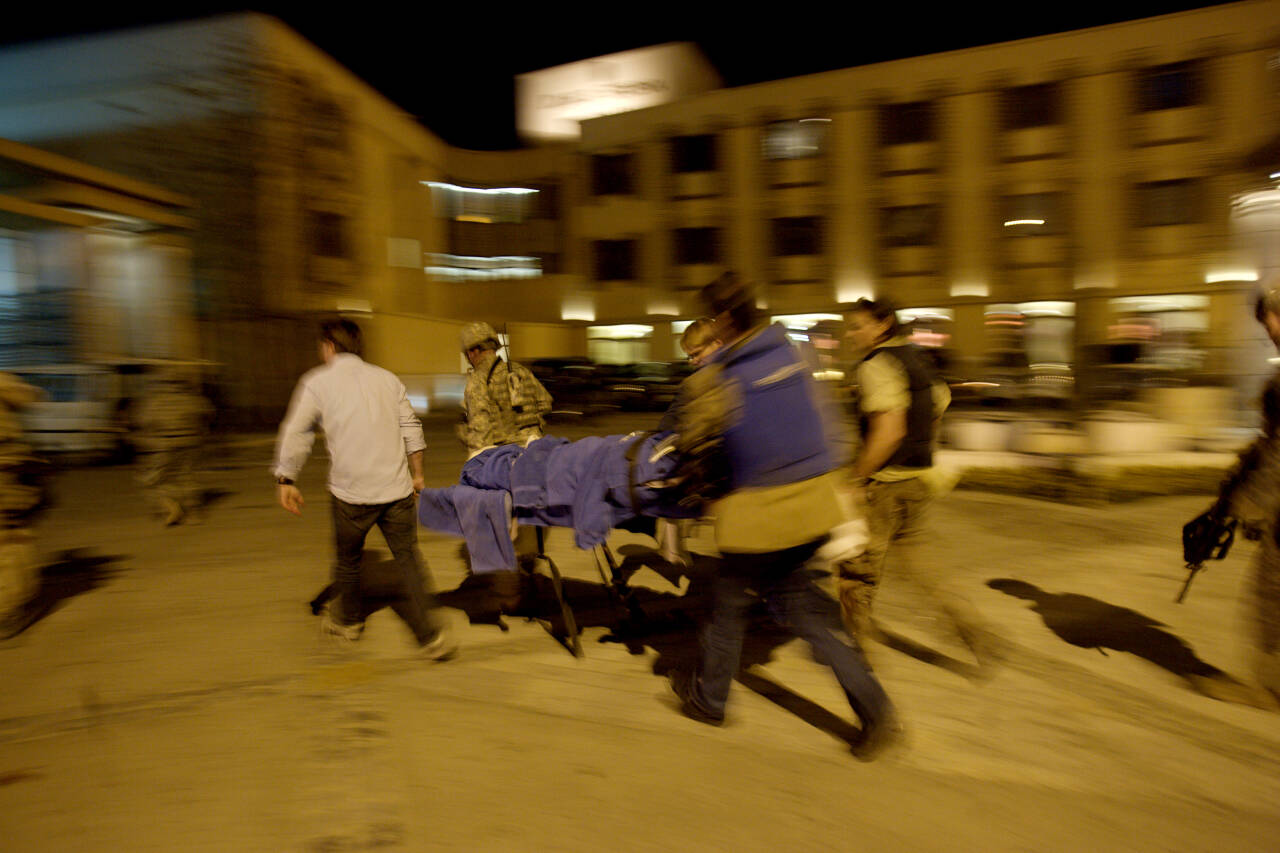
(176, 696)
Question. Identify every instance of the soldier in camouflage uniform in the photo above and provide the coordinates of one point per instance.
(1252, 493)
(20, 497)
(171, 422)
(504, 403)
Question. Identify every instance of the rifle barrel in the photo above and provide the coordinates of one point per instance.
(1192, 568)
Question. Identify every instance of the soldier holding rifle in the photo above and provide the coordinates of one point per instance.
(1251, 492)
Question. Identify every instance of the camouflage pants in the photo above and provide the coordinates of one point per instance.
(19, 574)
(1265, 592)
(167, 475)
(896, 528)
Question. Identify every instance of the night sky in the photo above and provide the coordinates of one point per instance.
(454, 69)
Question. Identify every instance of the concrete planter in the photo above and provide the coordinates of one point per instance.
(980, 434)
(1047, 438)
(1111, 436)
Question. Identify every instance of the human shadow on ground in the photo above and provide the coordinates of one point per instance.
(73, 573)
(637, 617)
(926, 654)
(1094, 624)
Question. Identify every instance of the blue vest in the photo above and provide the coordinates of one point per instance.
(779, 438)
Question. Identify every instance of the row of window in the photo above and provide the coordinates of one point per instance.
(503, 205)
(1162, 87)
(1157, 204)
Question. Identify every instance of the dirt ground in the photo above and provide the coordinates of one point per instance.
(175, 695)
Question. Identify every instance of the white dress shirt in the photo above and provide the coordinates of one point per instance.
(368, 424)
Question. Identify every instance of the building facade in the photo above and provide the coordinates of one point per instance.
(1069, 196)
(1093, 198)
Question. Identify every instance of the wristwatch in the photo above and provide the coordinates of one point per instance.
(284, 481)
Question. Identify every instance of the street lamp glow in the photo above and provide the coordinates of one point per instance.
(1230, 275)
(970, 288)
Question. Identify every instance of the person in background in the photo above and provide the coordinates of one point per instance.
(503, 403)
(170, 420)
(375, 447)
(901, 403)
(1251, 492)
(699, 341)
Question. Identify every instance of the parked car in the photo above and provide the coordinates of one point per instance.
(575, 385)
(86, 408)
(646, 386)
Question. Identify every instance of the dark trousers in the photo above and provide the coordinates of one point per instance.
(795, 603)
(399, 525)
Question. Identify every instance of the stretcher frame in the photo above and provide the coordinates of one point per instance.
(614, 583)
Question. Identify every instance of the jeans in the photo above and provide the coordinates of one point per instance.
(398, 522)
(794, 602)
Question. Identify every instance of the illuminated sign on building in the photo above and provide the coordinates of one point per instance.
(551, 102)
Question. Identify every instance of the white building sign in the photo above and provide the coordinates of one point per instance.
(551, 102)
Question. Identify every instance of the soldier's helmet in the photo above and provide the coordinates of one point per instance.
(476, 334)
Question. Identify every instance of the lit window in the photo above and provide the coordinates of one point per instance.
(795, 140)
(482, 268)
(483, 204)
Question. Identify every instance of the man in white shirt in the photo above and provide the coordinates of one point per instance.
(375, 441)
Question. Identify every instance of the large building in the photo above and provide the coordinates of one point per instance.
(1060, 203)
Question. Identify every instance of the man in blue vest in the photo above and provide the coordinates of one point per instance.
(781, 502)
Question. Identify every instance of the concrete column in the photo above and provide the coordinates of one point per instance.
(745, 252)
(1097, 116)
(968, 339)
(969, 227)
(853, 220)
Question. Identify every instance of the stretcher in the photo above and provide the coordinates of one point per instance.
(593, 486)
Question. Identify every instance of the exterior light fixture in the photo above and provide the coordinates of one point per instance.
(1230, 275)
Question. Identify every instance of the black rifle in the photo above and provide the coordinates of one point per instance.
(1208, 536)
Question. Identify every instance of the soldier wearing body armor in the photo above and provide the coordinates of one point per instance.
(1251, 493)
(171, 420)
(503, 403)
(900, 406)
(21, 498)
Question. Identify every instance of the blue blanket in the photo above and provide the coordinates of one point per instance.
(588, 485)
